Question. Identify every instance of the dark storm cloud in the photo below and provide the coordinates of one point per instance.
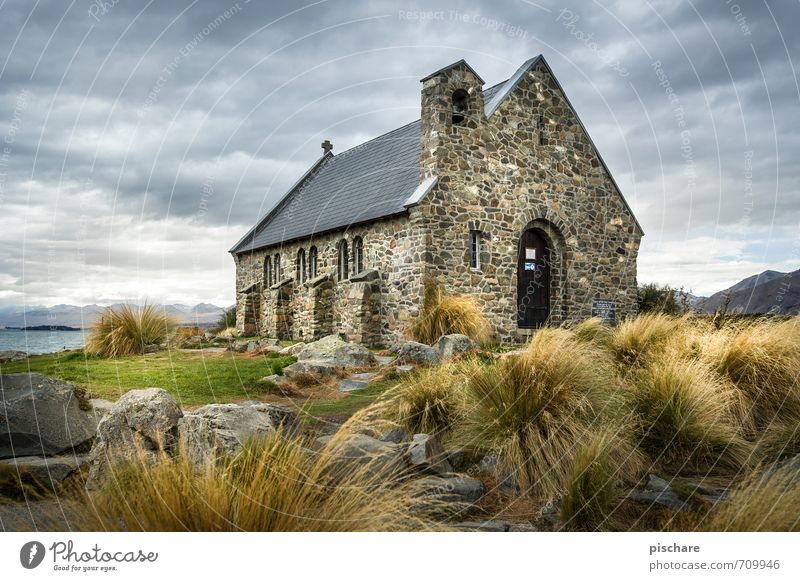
(173, 120)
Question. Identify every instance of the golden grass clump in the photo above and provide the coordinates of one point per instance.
(634, 339)
(275, 484)
(593, 331)
(127, 329)
(431, 399)
(763, 360)
(444, 314)
(593, 490)
(685, 414)
(764, 502)
(531, 410)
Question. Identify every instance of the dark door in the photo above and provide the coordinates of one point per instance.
(533, 280)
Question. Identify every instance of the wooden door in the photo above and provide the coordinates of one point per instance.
(533, 280)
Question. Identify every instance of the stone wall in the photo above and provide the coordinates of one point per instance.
(528, 165)
(374, 311)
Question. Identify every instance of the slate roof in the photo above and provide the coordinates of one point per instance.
(368, 182)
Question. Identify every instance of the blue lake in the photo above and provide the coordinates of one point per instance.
(40, 341)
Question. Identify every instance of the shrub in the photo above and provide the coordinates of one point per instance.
(430, 400)
(443, 314)
(227, 319)
(763, 360)
(653, 298)
(604, 459)
(276, 484)
(126, 330)
(531, 409)
(635, 338)
(763, 502)
(686, 414)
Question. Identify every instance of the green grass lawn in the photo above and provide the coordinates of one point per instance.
(194, 378)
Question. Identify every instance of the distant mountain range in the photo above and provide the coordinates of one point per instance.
(202, 315)
(769, 292)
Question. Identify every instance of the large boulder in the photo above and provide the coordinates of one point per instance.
(42, 416)
(455, 345)
(307, 369)
(335, 352)
(48, 471)
(217, 429)
(416, 353)
(351, 451)
(142, 424)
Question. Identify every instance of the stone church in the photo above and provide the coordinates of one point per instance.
(495, 192)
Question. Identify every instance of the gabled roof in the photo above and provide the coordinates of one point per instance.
(459, 63)
(374, 180)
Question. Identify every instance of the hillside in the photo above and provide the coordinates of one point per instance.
(768, 292)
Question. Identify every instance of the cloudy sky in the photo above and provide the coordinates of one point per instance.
(139, 140)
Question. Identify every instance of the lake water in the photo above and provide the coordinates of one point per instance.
(40, 341)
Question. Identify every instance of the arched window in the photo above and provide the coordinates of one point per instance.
(344, 261)
(358, 255)
(277, 265)
(301, 266)
(460, 106)
(268, 271)
(312, 262)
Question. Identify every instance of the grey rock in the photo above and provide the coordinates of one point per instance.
(146, 419)
(523, 527)
(303, 369)
(455, 345)
(218, 429)
(209, 336)
(277, 380)
(657, 492)
(426, 453)
(384, 360)
(485, 526)
(100, 407)
(396, 436)
(152, 348)
(41, 416)
(331, 350)
(244, 345)
(11, 356)
(292, 349)
(415, 353)
(49, 471)
(407, 368)
(347, 385)
(551, 513)
(453, 488)
(351, 450)
(194, 340)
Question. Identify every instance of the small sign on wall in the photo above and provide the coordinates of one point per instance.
(530, 254)
(605, 310)
(530, 266)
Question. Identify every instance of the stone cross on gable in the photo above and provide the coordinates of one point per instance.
(326, 146)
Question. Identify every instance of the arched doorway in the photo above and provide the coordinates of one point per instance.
(533, 280)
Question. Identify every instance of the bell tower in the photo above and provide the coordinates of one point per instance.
(452, 104)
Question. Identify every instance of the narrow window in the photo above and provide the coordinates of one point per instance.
(475, 250)
(301, 266)
(312, 262)
(542, 129)
(277, 265)
(358, 255)
(460, 104)
(268, 271)
(344, 261)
